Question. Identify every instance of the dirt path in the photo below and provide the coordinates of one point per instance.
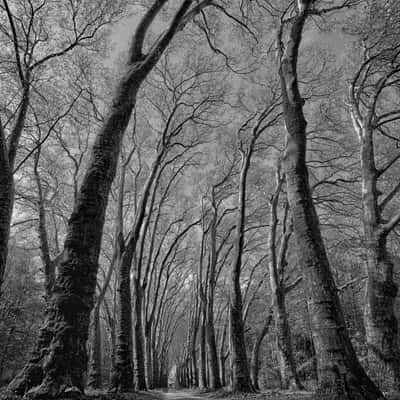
(180, 395)
(267, 395)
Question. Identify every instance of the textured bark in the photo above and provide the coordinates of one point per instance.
(148, 356)
(48, 263)
(63, 357)
(202, 353)
(255, 353)
(277, 264)
(241, 381)
(214, 381)
(340, 373)
(7, 161)
(381, 325)
(6, 203)
(222, 357)
(139, 349)
(66, 327)
(94, 380)
(122, 374)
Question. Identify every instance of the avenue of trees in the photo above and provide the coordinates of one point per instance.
(199, 193)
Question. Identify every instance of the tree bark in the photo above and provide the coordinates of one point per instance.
(222, 356)
(202, 353)
(381, 325)
(255, 354)
(214, 381)
(122, 374)
(340, 373)
(139, 353)
(8, 153)
(241, 381)
(277, 264)
(148, 357)
(62, 362)
(94, 380)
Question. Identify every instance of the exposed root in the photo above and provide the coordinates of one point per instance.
(29, 377)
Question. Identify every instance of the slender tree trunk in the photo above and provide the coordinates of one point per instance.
(8, 152)
(139, 350)
(155, 361)
(222, 357)
(289, 376)
(214, 381)
(202, 354)
(255, 354)
(241, 381)
(149, 359)
(48, 263)
(277, 264)
(340, 374)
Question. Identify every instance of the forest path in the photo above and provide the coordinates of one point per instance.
(180, 395)
(267, 395)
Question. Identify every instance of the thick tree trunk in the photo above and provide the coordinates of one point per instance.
(122, 375)
(381, 325)
(139, 350)
(63, 338)
(61, 362)
(94, 380)
(340, 373)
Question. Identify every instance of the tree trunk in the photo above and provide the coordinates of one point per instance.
(6, 208)
(222, 357)
(95, 374)
(202, 356)
(340, 373)
(148, 358)
(289, 376)
(63, 338)
(155, 362)
(255, 354)
(139, 361)
(122, 374)
(241, 381)
(8, 152)
(277, 264)
(60, 365)
(381, 325)
(214, 381)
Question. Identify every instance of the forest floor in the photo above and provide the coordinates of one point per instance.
(173, 394)
(265, 395)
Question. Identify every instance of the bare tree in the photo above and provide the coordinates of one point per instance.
(65, 331)
(373, 115)
(340, 373)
